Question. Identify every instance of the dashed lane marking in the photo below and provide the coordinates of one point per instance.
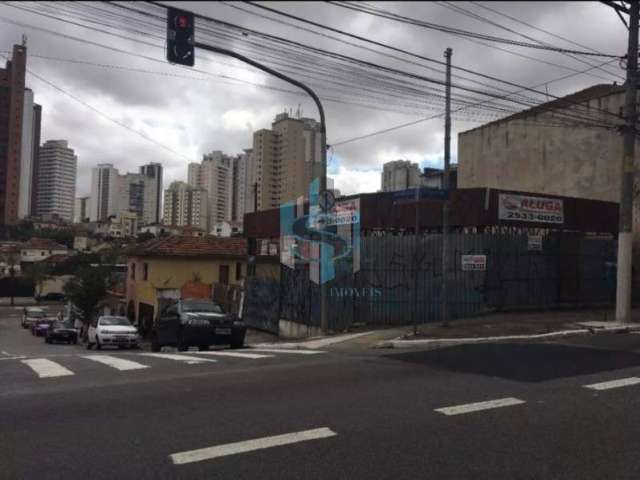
(622, 382)
(476, 407)
(46, 368)
(250, 445)
(115, 362)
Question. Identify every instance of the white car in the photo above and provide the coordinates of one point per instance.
(112, 330)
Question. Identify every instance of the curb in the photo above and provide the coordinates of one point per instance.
(433, 343)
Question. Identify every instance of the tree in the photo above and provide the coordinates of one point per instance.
(11, 260)
(38, 272)
(144, 236)
(86, 290)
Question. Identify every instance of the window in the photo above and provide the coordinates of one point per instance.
(133, 271)
(238, 271)
(145, 271)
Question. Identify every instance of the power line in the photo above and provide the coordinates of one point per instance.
(475, 16)
(358, 37)
(456, 31)
(397, 127)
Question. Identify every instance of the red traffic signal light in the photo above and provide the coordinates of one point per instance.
(182, 21)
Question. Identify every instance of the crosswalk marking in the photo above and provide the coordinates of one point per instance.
(288, 350)
(476, 407)
(181, 358)
(115, 362)
(622, 382)
(46, 368)
(234, 354)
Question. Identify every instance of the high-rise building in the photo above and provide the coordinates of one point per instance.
(12, 91)
(104, 191)
(400, 175)
(26, 156)
(81, 210)
(57, 165)
(241, 188)
(215, 175)
(186, 205)
(153, 196)
(284, 159)
(113, 194)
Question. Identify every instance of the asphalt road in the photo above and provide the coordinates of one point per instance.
(342, 414)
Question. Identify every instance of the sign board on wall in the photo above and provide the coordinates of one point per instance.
(530, 209)
(474, 263)
(534, 243)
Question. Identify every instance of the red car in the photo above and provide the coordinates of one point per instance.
(39, 328)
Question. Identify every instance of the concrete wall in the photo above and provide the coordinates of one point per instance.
(539, 154)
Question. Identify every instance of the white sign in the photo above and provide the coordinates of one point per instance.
(346, 212)
(534, 242)
(476, 263)
(530, 209)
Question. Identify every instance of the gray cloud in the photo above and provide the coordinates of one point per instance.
(192, 115)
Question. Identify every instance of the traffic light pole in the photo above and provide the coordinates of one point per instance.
(319, 171)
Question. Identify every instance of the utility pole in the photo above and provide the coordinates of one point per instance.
(623, 284)
(445, 185)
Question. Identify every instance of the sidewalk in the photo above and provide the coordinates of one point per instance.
(514, 326)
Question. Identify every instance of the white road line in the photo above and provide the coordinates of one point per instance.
(13, 358)
(115, 362)
(46, 368)
(234, 354)
(623, 382)
(286, 350)
(476, 407)
(250, 445)
(181, 358)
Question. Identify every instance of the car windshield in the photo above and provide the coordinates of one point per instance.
(62, 325)
(114, 321)
(35, 314)
(202, 307)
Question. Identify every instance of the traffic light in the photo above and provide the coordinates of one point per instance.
(180, 40)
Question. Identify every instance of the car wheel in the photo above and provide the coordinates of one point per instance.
(47, 340)
(237, 344)
(182, 347)
(75, 341)
(98, 346)
(155, 346)
(89, 345)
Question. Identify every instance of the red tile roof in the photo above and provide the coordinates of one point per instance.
(42, 244)
(186, 246)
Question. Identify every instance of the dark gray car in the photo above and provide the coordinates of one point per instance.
(199, 323)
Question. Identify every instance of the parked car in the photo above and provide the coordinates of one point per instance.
(51, 297)
(39, 327)
(61, 331)
(198, 323)
(31, 315)
(112, 330)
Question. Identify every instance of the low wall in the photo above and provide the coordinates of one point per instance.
(289, 329)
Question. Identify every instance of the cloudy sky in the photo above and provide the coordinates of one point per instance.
(120, 108)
